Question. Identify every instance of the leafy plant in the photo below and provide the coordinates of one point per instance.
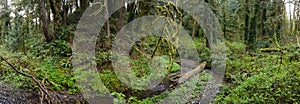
(260, 78)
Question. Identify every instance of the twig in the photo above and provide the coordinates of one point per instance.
(42, 96)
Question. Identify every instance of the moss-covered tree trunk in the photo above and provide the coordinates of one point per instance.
(253, 26)
(263, 18)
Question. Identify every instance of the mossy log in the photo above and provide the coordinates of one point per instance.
(192, 73)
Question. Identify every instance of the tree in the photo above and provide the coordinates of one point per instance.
(84, 4)
(296, 14)
(5, 19)
(57, 12)
(44, 21)
(253, 26)
(247, 20)
(263, 17)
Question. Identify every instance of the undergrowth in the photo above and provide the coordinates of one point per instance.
(261, 77)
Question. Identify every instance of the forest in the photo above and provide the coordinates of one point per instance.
(149, 51)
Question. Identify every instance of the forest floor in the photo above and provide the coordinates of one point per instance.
(13, 95)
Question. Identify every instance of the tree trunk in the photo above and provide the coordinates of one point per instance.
(263, 18)
(76, 4)
(195, 27)
(246, 29)
(131, 9)
(57, 12)
(84, 4)
(6, 24)
(280, 11)
(122, 13)
(107, 21)
(65, 11)
(291, 19)
(44, 21)
(296, 14)
(253, 26)
(224, 21)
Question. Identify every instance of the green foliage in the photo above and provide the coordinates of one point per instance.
(60, 78)
(134, 100)
(111, 81)
(8, 75)
(55, 72)
(203, 51)
(119, 98)
(141, 67)
(235, 48)
(15, 79)
(193, 86)
(274, 86)
(264, 43)
(251, 76)
(294, 53)
(65, 32)
(15, 40)
(175, 67)
(260, 78)
(103, 59)
(56, 48)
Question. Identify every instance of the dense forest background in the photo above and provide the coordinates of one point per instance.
(262, 48)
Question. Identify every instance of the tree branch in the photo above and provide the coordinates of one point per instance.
(41, 86)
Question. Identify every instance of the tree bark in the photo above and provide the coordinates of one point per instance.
(65, 11)
(84, 4)
(56, 11)
(246, 29)
(6, 24)
(280, 11)
(263, 18)
(122, 13)
(131, 9)
(253, 26)
(291, 19)
(224, 21)
(107, 19)
(44, 21)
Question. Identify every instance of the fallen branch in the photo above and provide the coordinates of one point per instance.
(270, 50)
(41, 86)
(192, 73)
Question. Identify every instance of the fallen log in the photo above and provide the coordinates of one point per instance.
(270, 50)
(191, 73)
